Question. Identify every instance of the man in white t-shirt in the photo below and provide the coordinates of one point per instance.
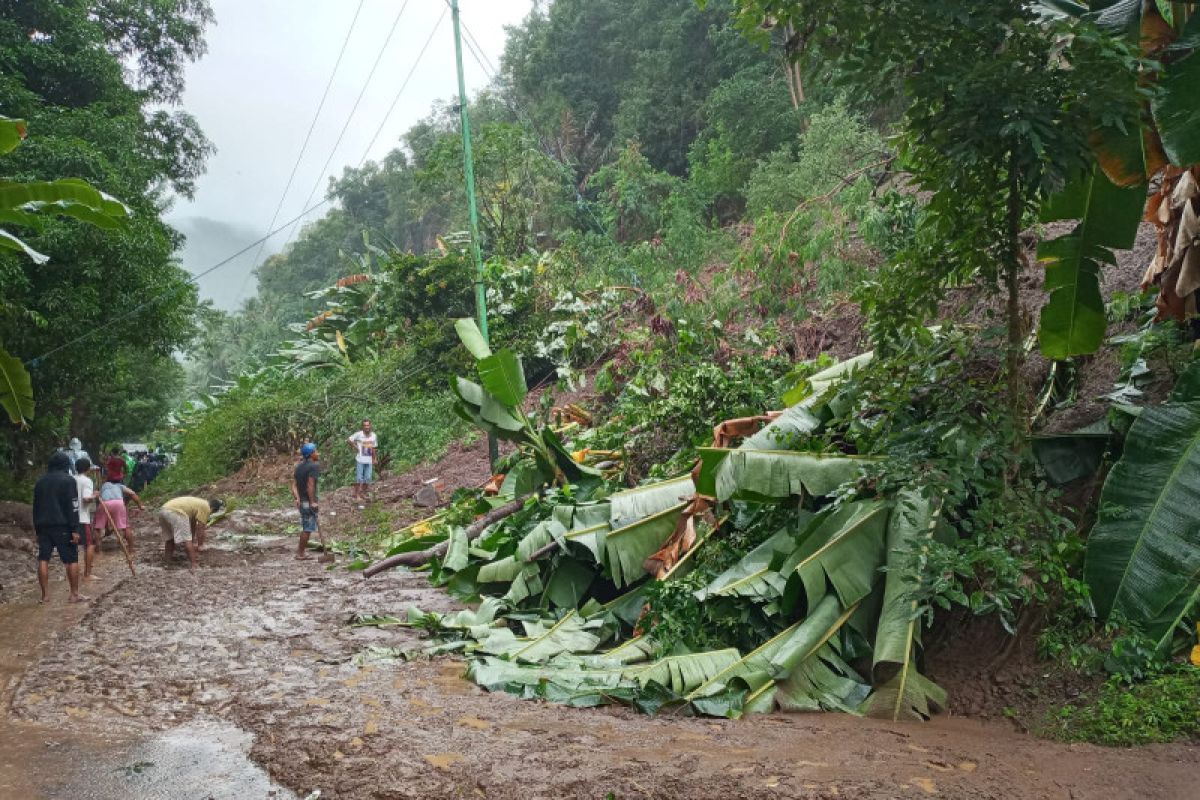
(364, 443)
(88, 537)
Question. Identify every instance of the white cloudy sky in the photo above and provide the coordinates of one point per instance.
(256, 91)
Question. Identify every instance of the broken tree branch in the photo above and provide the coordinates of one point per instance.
(474, 531)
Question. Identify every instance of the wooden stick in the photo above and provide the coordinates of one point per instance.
(120, 539)
(474, 531)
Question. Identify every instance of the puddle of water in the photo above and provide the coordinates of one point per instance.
(203, 760)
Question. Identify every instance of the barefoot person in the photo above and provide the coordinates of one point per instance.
(364, 443)
(184, 521)
(89, 540)
(112, 512)
(304, 492)
(56, 521)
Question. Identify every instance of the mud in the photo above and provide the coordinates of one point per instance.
(164, 681)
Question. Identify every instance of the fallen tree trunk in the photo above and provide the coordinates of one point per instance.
(474, 531)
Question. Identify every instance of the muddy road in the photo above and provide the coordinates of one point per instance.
(245, 681)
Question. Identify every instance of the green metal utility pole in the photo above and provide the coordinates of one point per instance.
(472, 209)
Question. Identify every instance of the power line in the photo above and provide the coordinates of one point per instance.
(403, 86)
(353, 110)
(304, 147)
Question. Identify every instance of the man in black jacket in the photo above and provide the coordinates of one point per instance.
(56, 520)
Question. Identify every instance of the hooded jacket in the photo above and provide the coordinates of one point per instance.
(56, 496)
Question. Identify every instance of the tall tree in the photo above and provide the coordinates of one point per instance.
(96, 82)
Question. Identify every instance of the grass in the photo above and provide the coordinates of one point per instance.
(1165, 708)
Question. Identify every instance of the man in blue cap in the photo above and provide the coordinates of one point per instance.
(304, 491)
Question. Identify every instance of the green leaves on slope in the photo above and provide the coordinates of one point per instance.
(16, 389)
(1073, 321)
(1143, 555)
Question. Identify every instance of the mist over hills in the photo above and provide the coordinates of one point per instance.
(210, 241)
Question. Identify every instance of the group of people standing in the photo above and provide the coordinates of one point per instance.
(69, 513)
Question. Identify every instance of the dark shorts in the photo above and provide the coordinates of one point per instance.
(308, 518)
(89, 534)
(58, 539)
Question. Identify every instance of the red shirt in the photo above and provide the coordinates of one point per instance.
(114, 468)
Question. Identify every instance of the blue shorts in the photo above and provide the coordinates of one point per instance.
(51, 539)
(362, 472)
(308, 518)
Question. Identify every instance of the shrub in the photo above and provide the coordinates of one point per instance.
(1162, 709)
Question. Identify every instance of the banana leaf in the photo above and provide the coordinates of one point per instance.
(768, 475)
(632, 651)
(568, 583)
(907, 694)
(1177, 106)
(456, 554)
(16, 389)
(818, 383)
(635, 504)
(850, 559)
(502, 377)
(759, 573)
(1066, 457)
(571, 634)
(626, 549)
(684, 673)
(1073, 319)
(526, 584)
(472, 339)
(780, 654)
(1143, 555)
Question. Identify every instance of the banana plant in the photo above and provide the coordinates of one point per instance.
(16, 389)
(21, 204)
(1108, 201)
(1143, 555)
(495, 406)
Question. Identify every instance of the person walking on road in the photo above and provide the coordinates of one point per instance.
(304, 492)
(89, 540)
(184, 521)
(113, 513)
(364, 443)
(56, 521)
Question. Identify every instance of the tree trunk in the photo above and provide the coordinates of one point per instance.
(474, 531)
(1012, 271)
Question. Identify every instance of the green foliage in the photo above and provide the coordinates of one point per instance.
(945, 431)
(273, 412)
(96, 85)
(1161, 709)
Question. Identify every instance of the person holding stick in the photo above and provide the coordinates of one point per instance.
(56, 521)
(304, 492)
(112, 512)
(184, 521)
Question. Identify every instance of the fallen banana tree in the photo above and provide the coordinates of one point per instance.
(830, 582)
